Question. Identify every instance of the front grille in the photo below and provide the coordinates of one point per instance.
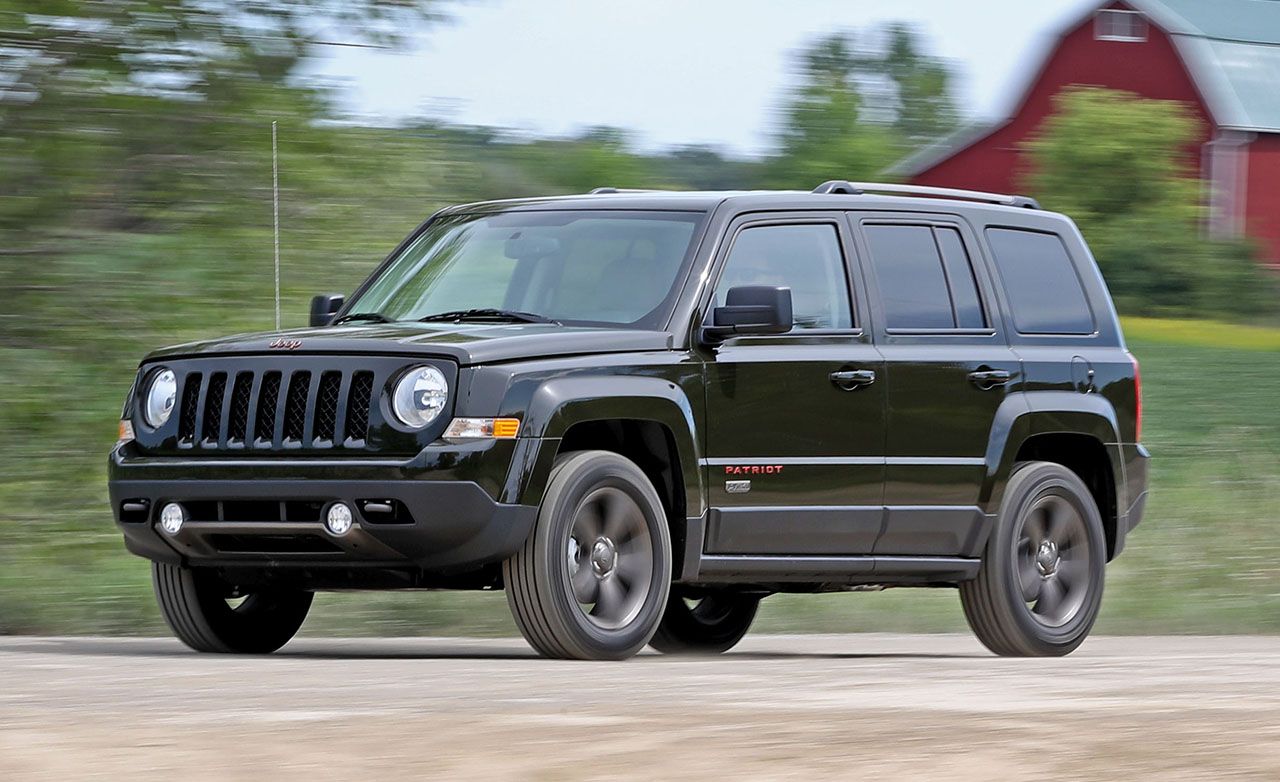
(213, 407)
(268, 398)
(358, 406)
(295, 408)
(327, 406)
(187, 419)
(238, 424)
(271, 410)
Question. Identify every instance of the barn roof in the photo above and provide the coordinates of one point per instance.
(1231, 48)
(1246, 21)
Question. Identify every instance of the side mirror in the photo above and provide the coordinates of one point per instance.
(748, 310)
(324, 307)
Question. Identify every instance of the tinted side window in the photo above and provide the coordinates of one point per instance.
(964, 288)
(924, 276)
(1045, 292)
(805, 258)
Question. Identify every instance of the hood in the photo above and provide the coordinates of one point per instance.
(466, 343)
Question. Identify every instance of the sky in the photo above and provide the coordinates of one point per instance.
(671, 71)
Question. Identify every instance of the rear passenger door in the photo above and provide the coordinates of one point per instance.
(948, 367)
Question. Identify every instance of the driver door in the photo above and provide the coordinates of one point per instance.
(795, 433)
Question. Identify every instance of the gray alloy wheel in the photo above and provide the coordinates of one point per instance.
(708, 622)
(1040, 586)
(206, 615)
(591, 581)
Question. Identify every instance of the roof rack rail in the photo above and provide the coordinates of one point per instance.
(840, 187)
(606, 190)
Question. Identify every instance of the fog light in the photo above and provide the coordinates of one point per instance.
(172, 517)
(338, 519)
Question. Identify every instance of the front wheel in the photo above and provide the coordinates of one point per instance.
(206, 614)
(591, 581)
(706, 623)
(1039, 589)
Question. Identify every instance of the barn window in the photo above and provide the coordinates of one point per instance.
(1113, 25)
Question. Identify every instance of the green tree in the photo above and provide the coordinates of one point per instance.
(823, 133)
(1121, 167)
(598, 157)
(923, 105)
(119, 110)
(703, 167)
(859, 107)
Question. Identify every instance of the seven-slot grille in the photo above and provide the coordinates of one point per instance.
(275, 409)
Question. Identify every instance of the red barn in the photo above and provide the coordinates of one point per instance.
(1221, 57)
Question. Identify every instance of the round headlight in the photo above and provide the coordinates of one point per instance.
(161, 394)
(420, 396)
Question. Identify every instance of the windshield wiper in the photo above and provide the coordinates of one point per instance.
(457, 316)
(374, 317)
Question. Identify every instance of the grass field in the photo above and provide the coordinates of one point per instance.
(1205, 560)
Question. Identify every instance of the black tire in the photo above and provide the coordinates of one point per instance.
(545, 580)
(194, 604)
(707, 623)
(1031, 599)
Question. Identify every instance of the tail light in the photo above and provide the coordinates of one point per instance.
(1137, 402)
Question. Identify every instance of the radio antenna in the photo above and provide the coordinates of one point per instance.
(275, 214)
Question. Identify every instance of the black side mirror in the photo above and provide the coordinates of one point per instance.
(324, 307)
(750, 309)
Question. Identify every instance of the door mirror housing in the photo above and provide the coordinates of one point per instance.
(750, 310)
(324, 307)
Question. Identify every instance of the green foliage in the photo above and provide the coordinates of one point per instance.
(1202, 333)
(921, 101)
(823, 135)
(104, 102)
(858, 108)
(1120, 166)
(597, 158)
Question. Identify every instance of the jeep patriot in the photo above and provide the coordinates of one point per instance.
(640, 413)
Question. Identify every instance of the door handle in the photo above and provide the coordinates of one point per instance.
(850, 379)
(989, 378)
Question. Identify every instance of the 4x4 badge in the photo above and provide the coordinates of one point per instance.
(737, 487)
(280, 343)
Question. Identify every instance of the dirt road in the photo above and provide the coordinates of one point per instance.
(780, 707)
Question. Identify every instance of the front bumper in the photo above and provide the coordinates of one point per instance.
(268, 513)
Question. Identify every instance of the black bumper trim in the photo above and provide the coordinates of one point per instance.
(1136, 510)
(457, 525)
(845, 569)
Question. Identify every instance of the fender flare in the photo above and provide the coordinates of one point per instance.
(1027, 414)
(560, 403)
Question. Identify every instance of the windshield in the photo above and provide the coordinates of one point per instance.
(575, 267)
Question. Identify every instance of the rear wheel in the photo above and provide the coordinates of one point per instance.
(591, 581)
(206, 614)
(1040, 586)
(704, 623)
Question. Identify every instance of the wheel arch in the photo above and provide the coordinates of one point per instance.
(649, 420)
(1078, 431)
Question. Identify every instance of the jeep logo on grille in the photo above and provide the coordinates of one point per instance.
(280, 343)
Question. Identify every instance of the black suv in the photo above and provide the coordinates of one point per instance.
(639, 413)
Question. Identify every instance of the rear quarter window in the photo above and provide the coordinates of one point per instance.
(1044, 290)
